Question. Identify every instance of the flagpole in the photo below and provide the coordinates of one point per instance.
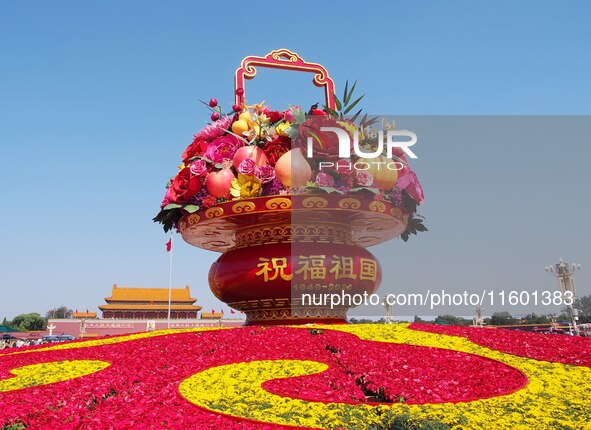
(169, 280)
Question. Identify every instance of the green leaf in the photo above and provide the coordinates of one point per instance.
(191, 208)
(171, 206)
(298, 115)
(354, 118)
(331, 111)
(352, 105)
(350, 93)
(345, 92)
(337, 102)
(293, 131)
(331, 190)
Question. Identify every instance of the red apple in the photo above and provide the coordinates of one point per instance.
(253, 152)
(219, 183)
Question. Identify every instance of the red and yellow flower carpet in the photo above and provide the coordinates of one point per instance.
(322, 377)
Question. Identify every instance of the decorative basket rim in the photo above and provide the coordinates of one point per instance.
(372, 221)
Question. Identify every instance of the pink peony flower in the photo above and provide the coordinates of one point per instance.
(408, 181)
(289, 114)
(223, 148)
(215, 129)
(324, 180)
(363, 178)
(167, 199)
(265, 174)
(247, 167)
(198, 168)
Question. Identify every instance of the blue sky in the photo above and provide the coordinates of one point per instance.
(98, 100)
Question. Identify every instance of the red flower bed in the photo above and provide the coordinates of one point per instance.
(548, 347)
(397, 372)
(140, 388)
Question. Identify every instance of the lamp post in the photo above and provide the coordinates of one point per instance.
(564, 273)
(388, 317)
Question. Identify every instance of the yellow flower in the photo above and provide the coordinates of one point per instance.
(281, 129)
(351, 129)
(245, 186)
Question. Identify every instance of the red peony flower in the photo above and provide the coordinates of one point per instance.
(324, 143)
(184, 186)
(276, 148)
(274, 115)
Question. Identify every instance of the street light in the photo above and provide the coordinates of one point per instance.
(564, 273)
(388, 317)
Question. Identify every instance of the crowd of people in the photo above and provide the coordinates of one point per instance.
(12, 342)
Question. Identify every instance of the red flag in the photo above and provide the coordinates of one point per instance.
(232, 311)
(222, 311)
(212, 312)
(169, 245)
(53, 313)
(76, 310)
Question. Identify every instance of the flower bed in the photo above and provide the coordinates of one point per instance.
(283, 377)
(548, 347)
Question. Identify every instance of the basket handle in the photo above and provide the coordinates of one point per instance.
(283, 59)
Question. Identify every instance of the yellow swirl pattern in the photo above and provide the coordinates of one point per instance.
(47, 373)
(554, 390)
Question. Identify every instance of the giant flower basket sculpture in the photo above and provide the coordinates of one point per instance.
(291, 216)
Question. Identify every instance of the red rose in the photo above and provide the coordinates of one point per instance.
(184, 186)
(276, 148)
(194, 149)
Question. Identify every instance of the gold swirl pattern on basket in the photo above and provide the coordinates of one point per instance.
(396, 212)
(349, 203)
(214, 212)
(193, 219)
(279, 203)
(243, 207)
(314, 202)
(377, 206)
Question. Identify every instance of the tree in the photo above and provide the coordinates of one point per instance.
(502, 318)
(361, 321)
(451, 320)
(536, 319)
(62, 312)
(583, 304)
(29, 322)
